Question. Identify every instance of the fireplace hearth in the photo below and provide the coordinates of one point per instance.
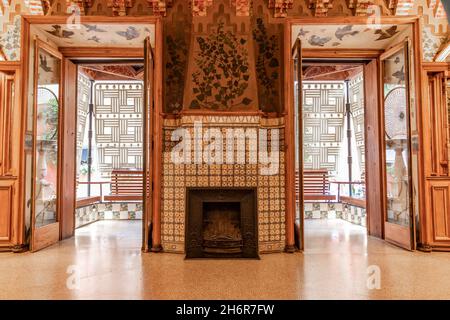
(221, 223)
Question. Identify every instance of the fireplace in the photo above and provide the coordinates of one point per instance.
(221, 223)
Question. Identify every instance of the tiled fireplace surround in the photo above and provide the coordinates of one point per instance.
(176, 178)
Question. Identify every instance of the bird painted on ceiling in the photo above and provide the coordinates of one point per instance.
(345, 31)
(318, 41)
(130, 34)
(92, 27)
(94, 38)
(386, 34)
(302, 32)
(59, 32)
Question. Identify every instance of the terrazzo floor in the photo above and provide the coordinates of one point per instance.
(104, 261)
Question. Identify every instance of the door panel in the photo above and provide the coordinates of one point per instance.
(68, 150)
(6, 210)
(46, 146)
(148, 145)
(298, 132)
(374, 169)
(399, 222)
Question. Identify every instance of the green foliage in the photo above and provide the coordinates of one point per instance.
(267, 66)
(51, 114)
(223, 71)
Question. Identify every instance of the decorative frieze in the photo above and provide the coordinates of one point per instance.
(199, 7)
(82, 4)
(119, 7)
(160, 7)
(361, 7)
(242, 7)
(320, 7)
(280, 7)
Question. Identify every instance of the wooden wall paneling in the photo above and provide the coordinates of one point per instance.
(435, 218)
(10, 156)
(438, 124)
(438, 214)
(373, 132)
(6, 211)
(68, 150)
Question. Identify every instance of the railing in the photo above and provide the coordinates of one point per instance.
(357, 196)
(96, 195)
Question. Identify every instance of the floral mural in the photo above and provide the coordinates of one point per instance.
(222, 78)
(267, 66)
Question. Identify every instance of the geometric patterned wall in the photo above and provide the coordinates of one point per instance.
(323, 116)
(118, 125)
(357, 107)
(83, 88)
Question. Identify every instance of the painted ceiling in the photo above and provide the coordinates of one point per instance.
(98, 35)
(347, 36)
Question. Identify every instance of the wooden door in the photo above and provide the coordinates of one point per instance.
(398, 205)
(298, 132)
(148, 146)
(46, 146)
(9, 157)
(68, 149)
(373, 151)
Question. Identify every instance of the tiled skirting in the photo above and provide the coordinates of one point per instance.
(325, 210)
(108, 211)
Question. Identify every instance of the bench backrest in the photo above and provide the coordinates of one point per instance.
(126, 182)
(314, 182)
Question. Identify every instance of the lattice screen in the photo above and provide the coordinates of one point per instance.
(83, 108)
(118, 125)
(357, 108)
(323, 114)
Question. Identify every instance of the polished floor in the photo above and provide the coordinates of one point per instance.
(103, 261)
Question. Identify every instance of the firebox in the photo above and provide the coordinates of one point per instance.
(221, 223)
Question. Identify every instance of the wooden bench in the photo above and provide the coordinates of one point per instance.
(126, 185)
(316, 185)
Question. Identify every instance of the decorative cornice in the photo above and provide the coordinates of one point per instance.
(199, 7)
(361, 7)
(320, 7)
(119, 7)
(242, 7)
(280, 7)
(160, 7)
(82, 4)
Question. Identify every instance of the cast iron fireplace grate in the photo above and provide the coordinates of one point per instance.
(221, 223)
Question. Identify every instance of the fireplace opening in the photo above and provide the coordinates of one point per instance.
(221, 223)
(222, 228)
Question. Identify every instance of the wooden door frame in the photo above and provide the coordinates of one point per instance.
(102, 52)
(17, 230)
(414, 22)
